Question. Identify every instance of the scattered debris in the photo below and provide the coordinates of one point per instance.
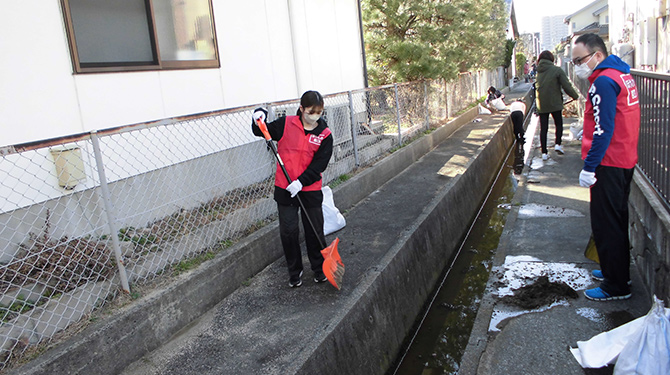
(534, 210)
(590, 314)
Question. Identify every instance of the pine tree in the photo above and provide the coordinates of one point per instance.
(408, 40)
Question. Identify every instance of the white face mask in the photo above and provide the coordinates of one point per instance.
(311, 119)
(583, 71)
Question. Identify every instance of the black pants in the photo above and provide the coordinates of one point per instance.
(290, 237)
(544, 128)
(609, 223)
(517, 120)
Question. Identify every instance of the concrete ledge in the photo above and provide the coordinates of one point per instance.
(111, 345)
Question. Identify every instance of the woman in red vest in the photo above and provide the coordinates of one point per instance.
(305, 144)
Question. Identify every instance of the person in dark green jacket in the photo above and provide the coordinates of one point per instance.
(549, 98)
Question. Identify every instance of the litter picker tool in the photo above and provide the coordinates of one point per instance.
(333, 267)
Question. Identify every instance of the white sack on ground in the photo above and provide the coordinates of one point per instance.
(332, 218)
(498, 104)
(648, 351)
(483, 111)
(606, 347)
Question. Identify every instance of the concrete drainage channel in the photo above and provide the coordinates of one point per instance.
(442, 332)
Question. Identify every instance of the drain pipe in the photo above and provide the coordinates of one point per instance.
(360, 26)
(296, 63)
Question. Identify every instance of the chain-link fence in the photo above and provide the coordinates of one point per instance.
(86, 216)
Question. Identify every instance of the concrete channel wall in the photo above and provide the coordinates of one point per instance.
(650, 237)
(387, 302)
(385, 311)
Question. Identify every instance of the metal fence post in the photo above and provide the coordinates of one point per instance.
(354, 128)
(397, 112)
(447, 99)
(111, 221)
(271, 112)
(425, 99)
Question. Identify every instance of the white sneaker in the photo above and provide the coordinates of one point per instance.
(545, 156)
(558, 149)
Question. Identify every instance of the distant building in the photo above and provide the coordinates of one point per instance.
(531, 43)
(513, 34)
(593, 18)
(553, 30)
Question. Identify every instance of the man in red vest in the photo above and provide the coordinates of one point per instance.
(609, 150)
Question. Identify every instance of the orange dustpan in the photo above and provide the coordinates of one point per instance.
(333, 267)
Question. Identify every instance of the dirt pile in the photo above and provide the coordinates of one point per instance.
(542, 292)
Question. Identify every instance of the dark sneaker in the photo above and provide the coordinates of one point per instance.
(597, 294)
(295, 281)
(319, 277)
(598, 275)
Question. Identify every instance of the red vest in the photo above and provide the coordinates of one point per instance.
(297, 150)
(622, 151)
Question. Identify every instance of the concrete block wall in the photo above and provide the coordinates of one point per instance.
(650, 237)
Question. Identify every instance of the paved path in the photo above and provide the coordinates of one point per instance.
(537, 342)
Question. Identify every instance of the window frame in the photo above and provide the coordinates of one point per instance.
(157, 64)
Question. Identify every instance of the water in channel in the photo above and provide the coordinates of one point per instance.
(443, 335)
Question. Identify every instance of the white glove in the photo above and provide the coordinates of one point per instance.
(294, 187)
(258, 114)
(587, 179)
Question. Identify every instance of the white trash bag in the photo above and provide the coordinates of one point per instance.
(576, 130)
(641, 346)
(332, 218)
(483, 111)
(498, 104)
(648, 350)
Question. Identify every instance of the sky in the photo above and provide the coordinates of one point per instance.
(529, 13)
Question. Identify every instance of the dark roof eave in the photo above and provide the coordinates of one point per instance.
(603, 9)
(601, 30)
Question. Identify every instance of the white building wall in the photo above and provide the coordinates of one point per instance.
(585, 16)
(269, 51)
(38, 96)
(630, 22)
(581, 20)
